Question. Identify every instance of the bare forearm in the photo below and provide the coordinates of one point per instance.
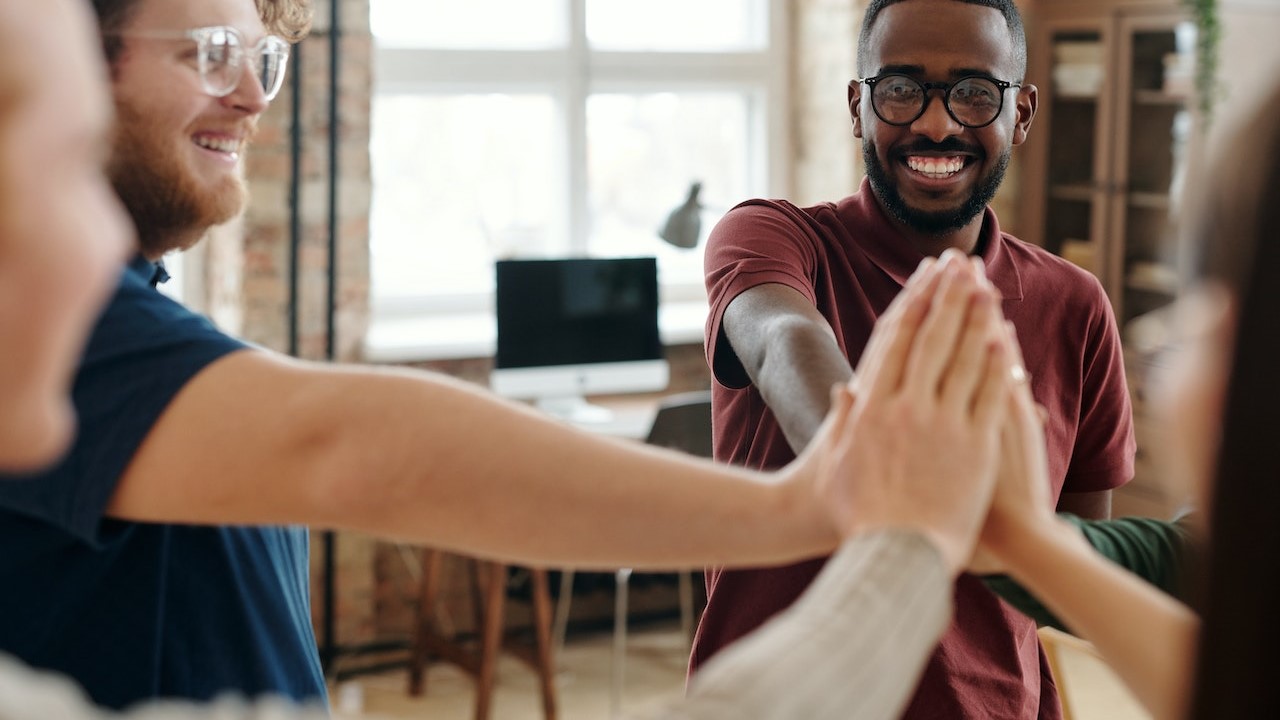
(1147, 637)
(789, 352)
(427, 459)
(795, 380)
(257, 439)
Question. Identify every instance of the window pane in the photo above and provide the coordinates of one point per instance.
(645, 150)
(705, 25)
(460, 180)
(477, 24)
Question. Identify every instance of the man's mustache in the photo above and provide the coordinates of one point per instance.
(950, 145)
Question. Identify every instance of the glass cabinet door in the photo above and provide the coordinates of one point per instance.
(1154, 127)
(1154, 122)
(1075, 196)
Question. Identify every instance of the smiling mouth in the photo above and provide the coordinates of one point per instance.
(936, 168)
(223, 145)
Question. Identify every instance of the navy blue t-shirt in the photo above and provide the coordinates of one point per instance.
(138, 610)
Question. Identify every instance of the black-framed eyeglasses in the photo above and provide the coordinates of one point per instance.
(974, 101)
(223, 54)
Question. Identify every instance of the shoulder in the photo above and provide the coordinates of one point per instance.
(1046, 276)
(774, 213)
(143, 350)
(143, 324)
(769, 227)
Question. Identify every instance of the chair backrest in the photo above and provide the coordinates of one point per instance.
(683, 422)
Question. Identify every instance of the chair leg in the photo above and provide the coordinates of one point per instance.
(622, 581)
(1052, 652)
(686, 605)
(561, 626)
(476, 568)
(491, 638)
(542, 631)
(424, 622)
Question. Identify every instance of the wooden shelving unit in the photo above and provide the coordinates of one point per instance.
(1102, 162)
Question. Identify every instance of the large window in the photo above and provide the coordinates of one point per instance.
(538, 128)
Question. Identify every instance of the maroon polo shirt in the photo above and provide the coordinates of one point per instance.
(848, 260)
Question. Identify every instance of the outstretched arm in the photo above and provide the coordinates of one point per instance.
(1147, 637)
(261, 439)
(1158, 551)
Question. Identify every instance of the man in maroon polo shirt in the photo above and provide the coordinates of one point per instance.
(795, 292)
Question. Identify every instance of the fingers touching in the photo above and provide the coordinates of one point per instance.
(920, 446)
(937, 346)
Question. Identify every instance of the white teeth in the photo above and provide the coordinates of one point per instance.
(218, 145)
(935, 167)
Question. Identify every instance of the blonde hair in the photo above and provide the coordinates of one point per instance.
(290, 19)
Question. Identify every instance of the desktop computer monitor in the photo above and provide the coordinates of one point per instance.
(574, 327)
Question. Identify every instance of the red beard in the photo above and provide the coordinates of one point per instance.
(169, 205)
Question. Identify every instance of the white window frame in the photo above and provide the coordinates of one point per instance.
(436, 325)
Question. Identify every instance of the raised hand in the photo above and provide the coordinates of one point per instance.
(1021, 498)
(919, 447)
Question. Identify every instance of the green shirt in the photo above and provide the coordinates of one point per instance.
(1157, 551)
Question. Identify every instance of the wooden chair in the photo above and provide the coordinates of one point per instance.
(1087, 687)
(488, 592)
(1057, 643)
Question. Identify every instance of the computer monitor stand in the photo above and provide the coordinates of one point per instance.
(574, 409)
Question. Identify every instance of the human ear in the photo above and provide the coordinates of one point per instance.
(1027, 100)
(855, 107)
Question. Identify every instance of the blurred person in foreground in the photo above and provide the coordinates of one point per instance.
(1220, 398)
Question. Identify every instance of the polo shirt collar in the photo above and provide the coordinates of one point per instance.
(899, 259)
(151, 272)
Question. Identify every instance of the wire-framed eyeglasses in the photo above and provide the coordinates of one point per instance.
(974, 101)
(223, 53)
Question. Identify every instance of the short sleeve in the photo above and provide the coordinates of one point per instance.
(143, 350)
(756, 243)
(1104, 450)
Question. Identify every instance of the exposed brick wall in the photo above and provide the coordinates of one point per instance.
(249, 264)
(243, 267)
(827, 164)
(356, 581)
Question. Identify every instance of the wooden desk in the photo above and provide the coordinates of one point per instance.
(632, 417)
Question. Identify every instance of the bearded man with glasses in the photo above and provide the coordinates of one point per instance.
(184, 105)
(795, 293)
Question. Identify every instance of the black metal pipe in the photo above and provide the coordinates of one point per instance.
(335, 58)
(295, 194)
(329, 653)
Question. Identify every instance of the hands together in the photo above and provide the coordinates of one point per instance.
(939, 414)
